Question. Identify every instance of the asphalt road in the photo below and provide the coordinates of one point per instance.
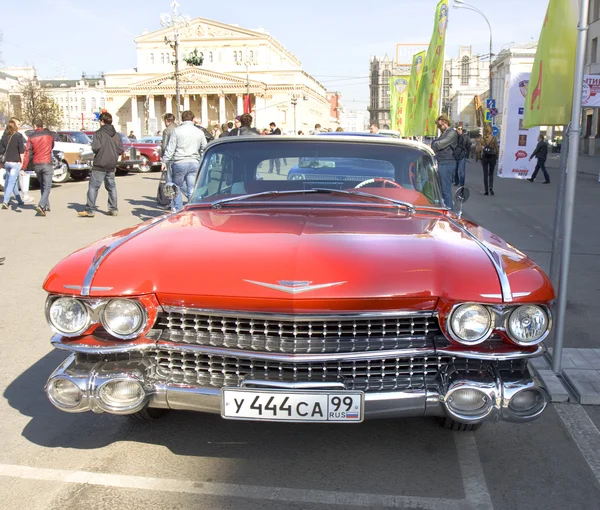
(54, 460)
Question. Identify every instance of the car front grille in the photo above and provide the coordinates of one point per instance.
(297, 335)
(177, 367)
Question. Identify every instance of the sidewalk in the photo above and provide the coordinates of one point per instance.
(589, 165)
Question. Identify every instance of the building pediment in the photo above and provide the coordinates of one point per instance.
(190, 77)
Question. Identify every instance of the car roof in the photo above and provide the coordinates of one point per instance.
(349, 133)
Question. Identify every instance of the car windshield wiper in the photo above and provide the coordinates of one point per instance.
(408, 206)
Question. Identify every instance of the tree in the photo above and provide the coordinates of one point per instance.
(37, 104)
(194, 58)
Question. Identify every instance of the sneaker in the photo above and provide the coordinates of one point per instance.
(530, 179)
(491, 192)
(546, 182)
(40, 211)
(28, 200)
(4, 205)
(486, 193)
(85, 214)
(114, 212)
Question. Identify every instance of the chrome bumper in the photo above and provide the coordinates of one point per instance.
(80, 166)
(497, 389)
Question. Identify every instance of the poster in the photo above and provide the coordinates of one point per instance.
(517, 142)
(398, 97)
(591, 91)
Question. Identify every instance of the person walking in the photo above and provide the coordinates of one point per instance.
(444, 148)
(238, 124)
(274, 130)
(39, 151)
(461, 153)
(107, 147)
(246, 128)
(24, 174)
(183, 151)
(12, 148)
(132, 136)
(541, 153)
(489, 157)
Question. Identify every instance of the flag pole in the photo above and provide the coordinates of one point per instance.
(569, 201)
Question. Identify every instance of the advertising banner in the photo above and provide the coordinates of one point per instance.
(413, 86)
(550, 96)
(591, 91)
(427, 107)
(398, 98)
(517, 142)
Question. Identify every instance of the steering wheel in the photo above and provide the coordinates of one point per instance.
(378, 179)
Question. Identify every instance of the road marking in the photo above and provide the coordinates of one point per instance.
(583, 431)
(477, 496)
(476, 491)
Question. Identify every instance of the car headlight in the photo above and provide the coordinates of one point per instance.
(123, 318)
(68, 316)
(60, 155)
(470, 324)
(528, 324)
(297, 177)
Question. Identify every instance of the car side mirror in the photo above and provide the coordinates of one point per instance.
(461, 195)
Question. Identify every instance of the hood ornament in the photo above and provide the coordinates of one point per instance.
(294, 286)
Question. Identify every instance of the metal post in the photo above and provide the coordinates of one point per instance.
(177, 92)
(558, 212)
(570, 187)
(294, 103)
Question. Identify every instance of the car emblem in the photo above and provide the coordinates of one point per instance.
(294, 286)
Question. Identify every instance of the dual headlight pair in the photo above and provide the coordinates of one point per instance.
(473, 323)
(122, 318)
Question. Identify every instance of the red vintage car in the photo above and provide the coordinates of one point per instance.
(337, 288)
(143, 157)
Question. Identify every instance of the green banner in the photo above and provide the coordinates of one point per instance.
(427, 107)
(550, 92)
(413, 85)
(398, 97)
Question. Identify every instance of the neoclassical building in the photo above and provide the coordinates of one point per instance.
(236, 61)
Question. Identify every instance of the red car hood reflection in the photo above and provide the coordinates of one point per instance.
(205, 258)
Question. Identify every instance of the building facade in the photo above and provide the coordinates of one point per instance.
(237, 61)
(335, 108)
(380, 72)
(465, 77)
(354, 121)
(590, 135)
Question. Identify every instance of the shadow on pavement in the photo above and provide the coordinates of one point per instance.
(145, 207)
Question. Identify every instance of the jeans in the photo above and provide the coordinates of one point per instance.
(275, 162)
(184, 174)
(44, 173)
(489, 164)
(461, 165)
(541, 164)
(97, 177)
(446, 171)
(11, 182)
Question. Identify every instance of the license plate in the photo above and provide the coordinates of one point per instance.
(294, 406)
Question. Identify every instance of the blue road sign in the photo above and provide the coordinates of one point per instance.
(490, 103)
(495, 131)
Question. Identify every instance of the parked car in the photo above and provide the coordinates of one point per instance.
(74, 137)
(140, 156)
(151, 139)
(326, 299)
(57, 161)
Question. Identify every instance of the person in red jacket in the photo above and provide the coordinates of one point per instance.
(39, 152)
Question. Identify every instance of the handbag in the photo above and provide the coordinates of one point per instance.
(162, 198)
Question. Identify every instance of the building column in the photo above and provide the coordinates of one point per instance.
(204, 110)
(240, 103)
(186, 102)
(135, 119)
(222, 111)
(152, 124)
(151, 107)
(169, 105)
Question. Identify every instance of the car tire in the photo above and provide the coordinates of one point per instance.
(450, 424)
(120, 172)
(64, 177)
(145, 166)
(79, 175)
(148, 414)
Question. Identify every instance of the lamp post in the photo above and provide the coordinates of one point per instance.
(247, 60)
(461, 4)
(176, 21)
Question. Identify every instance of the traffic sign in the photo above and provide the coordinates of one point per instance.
(488, 116)
(495, 131)
(490, 103)
(493, 111)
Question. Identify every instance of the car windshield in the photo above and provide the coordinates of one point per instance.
(150, 139)
(279, 167)
(80, 137)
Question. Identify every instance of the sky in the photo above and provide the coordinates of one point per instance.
(334, 40)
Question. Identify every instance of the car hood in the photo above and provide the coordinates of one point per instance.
(231, 259)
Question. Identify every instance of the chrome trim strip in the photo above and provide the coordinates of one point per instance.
(294, 290)
(253, 383)
(502, 276)
(78, 287)
(513, 355)
(300, 318)
(106, 251)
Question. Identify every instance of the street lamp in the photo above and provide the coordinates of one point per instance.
(176, 21)
(461, 4)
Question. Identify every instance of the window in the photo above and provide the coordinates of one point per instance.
(152, 58)
(446, 88)
(240, 58)
(83, 104)
(594, 56)
(102, 103)
(251, 54)
(162, 58)
(235, 56)
(210, 56)
(386, 88)
(93, 104)
(168, 58)
(465, 70)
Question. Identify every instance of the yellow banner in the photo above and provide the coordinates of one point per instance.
(413, 85)
(427, 107)
(549, 97)
(398, 98)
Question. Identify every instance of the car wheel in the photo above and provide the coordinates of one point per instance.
(145, 166)
(148, 414)
(63, 176)
(121, 172)
(79, 175)
(450, 424)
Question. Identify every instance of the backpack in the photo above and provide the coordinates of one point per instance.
(488, 151)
